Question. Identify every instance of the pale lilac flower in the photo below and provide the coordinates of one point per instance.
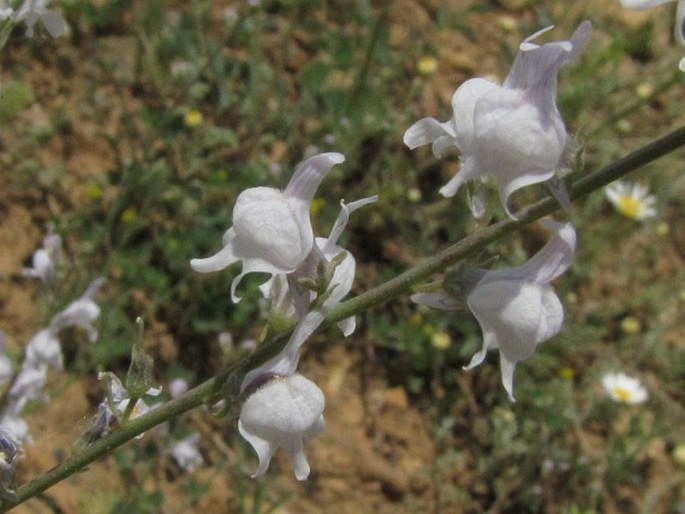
(178, 387)
(283, 413)
(272, 231)
(284, 409)
(624, 389)
(680, 18)
(117, 397)
(187, 454)
(329, 268)
(8, 451)
(15, 427)
(516, 308)
(512, 132)
(631, 200)
(28, 385)
(44, 349)
(80, 313)
(34, 11)
(46, 259)
(343, 276)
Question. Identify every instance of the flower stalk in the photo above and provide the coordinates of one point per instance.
(226, 384)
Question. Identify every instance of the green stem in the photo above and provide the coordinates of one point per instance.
(227, 383)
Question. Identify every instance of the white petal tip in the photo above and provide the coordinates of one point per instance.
(334, 157)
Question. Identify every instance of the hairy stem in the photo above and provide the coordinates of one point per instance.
(227, 383)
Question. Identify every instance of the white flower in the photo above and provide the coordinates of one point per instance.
(680, 17)
(16, 428)
(631, 200)
(328, 266)
(186, 453)
(28, 385)
(178, 387)
(512, 132)
(80, 313)
(283, 413)
(8, 451)
(624, 389)
(285, 408)
(44, 349)
(272, 231)
(46, 259)
(516, 308)
(33, 11)
(118, 398)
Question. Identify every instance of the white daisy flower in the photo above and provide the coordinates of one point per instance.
(624, 389)
(631, 200)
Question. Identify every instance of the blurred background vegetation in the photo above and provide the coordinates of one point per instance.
(132, 137)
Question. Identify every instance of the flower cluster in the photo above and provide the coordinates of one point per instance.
(514, 133)
(272, 233)
(43, 352)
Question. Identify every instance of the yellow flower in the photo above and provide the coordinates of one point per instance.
(644, 90)
(427, 65)
(679, 454)
(567, 373)
(662, 229)
(193, 118)
(93, 191)
(441, 340)
(631, 326)
(631, 200)
(129, 215)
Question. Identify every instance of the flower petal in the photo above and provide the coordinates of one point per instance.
(285, 363)
(300, 191)
(507, 368)
(642, 4)
(535, 67)
(489, 343)
(513, 311)
(550, 262)
(438, 300)
(348, 325)
(222, 259)
(464, 103)
(426, 131)
(341, 223)
(267, 230)
(282, 414)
